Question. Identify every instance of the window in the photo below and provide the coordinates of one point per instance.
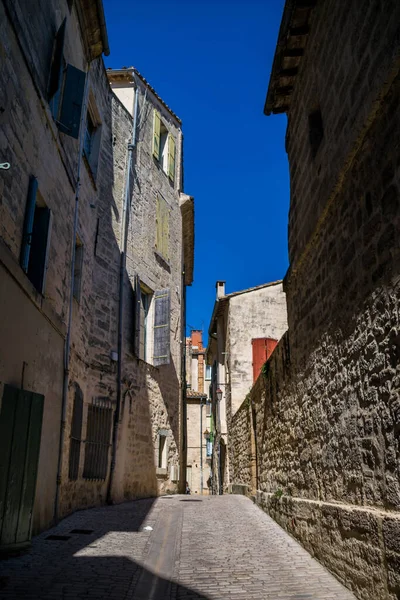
(143, 297)
(209, 447)
(76, 434)
(66, 89)
(144, 314)
(162, 327)
(163, 146)
(91, 142)
(162, 449)
(77, 282)
(208, 408)
(98, 432)
(208, 372)
(154, 349)
(36, 237)
(162, 228)
(316, 131)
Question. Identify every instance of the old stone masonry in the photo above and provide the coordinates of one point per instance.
(161, 550)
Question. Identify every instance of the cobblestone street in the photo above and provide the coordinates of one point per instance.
(211, 547)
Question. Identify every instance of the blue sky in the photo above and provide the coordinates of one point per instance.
(210, 61)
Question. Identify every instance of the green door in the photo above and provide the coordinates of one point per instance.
(20, 430)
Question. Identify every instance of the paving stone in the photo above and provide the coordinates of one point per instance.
(223, 548)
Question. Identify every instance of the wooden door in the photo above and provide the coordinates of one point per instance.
(20, 432)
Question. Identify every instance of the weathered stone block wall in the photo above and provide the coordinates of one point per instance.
(241, 450)
(349, 58)
(327, 422)
(328, 413)
(154, 392)
(33, 324)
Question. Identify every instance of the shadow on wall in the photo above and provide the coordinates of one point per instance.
(70, 567)
(147, 396)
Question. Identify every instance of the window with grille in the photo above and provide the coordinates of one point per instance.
(76, 434)
(98, 433)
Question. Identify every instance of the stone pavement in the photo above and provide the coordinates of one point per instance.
(218, 547)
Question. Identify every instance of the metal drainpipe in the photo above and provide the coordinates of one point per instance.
(124, 239)
(201, 446)
(67, 345)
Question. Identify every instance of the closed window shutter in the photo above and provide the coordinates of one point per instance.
(40, 247)
(72, 101)
(56, 70)
(136, 316)
(159, 225)
(171, 157)
(28, 223)
(165, 231)
(162, 326)
(156, 134)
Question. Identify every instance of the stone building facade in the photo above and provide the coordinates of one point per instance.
(238, 319)
(98, 414)
(198, 415)
(326, 409)
(41, 51)
(159, 264)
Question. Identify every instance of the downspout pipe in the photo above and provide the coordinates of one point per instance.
(201, 446)
(124, 241)
(67, 343)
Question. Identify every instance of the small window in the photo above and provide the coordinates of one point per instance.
(76, 434)
(164, 148)
(208, 408)
(162, 451)
(162, 228)
(91, 144)
(78, 266)
(208, 372)
(316, 131)
(97, 445)
(209, 448)
(144, 323)
(36, 237)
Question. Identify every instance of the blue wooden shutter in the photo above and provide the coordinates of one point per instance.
(28, 223)
(39, 247)
(136, 315)
(162, 326)
(72, 101)
(57, 68)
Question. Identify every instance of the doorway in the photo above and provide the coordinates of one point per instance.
(20, 432)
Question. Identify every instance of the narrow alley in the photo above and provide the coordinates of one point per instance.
(212, 547)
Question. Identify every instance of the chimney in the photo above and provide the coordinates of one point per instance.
(220, 285)
(197, 336)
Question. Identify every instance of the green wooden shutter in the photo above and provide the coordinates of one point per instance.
(171, 157)
(136, 315)
(158, 225)
(57, 69)
(72, 101)
(28, 223)
(156, 134)
(20, 432)
(162, 327)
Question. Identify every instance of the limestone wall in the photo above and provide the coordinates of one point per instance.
(327, 410)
